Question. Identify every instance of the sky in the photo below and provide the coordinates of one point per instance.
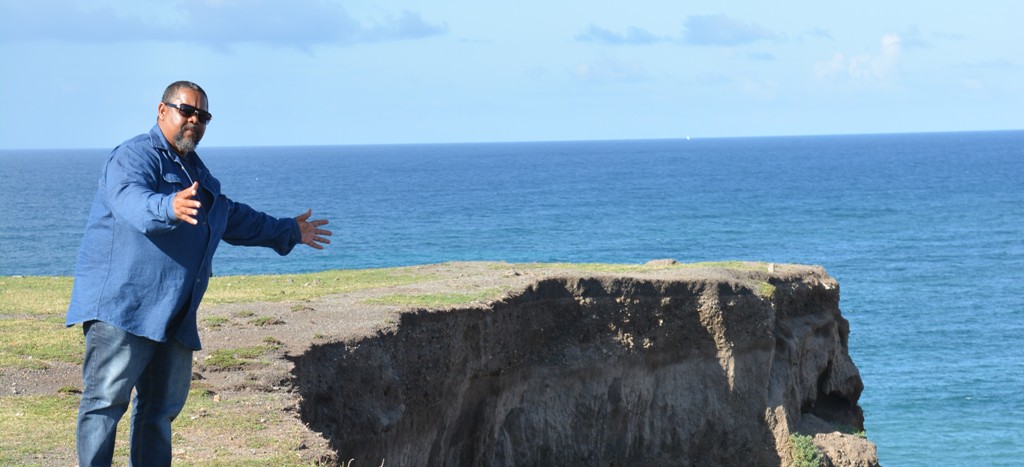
(90, 73)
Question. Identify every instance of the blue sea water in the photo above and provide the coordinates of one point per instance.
(925, 233)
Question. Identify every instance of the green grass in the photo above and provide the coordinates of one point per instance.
(265, 321)
(240, 357)
(34, 295)
(32, 308)
(625, 268)
(445, 299)
(33, 343)
(36, 430)
(215, 321)
(737, 265)
(805, 453)
(243, 289)
(593, 267)
(244, 418)
(35, 425)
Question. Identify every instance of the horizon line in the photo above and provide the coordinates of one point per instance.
(541, 141)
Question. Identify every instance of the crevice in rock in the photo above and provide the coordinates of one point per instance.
(833, 406)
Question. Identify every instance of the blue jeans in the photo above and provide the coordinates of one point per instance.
(115, 362)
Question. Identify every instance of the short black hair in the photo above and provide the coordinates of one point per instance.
(173, 88)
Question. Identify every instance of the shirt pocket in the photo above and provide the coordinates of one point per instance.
(173, 178)
(171, 183)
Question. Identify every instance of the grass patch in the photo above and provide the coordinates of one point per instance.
(215, 321)
(242, 289)
(805, 453)
(737, 265)
(40, 430)
(625, 268)
(33, 343)
(265, 321)
(34, 425)
(592, 267)
(433, 300)
(237, 358)
(34, 295)
(247, 420)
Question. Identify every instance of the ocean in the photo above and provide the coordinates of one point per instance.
(924, 232)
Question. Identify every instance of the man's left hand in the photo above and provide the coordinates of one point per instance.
(311, 231)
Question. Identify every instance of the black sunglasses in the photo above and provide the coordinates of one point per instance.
(188, 111)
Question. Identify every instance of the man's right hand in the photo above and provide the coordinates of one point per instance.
(186, 206)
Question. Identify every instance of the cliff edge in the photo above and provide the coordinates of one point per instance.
(663, 364)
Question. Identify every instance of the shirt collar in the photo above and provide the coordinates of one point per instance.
(160, 142)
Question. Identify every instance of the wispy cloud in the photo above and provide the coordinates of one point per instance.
(819, 33)
(863, 69)
(633, 36)
(760, 56)
(699, 30)
(216, 23)
(913, 38)
(722, 30)
(607, 70)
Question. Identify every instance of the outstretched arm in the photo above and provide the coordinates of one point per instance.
(311, 231)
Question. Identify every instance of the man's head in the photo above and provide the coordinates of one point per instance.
(182, 115)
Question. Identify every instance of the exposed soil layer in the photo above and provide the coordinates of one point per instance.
(662, 366)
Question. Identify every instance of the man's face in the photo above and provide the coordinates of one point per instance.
(183, 132)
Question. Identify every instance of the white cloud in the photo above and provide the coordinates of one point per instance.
(607, 70)
(723, 31)
(868, 69)
(215, 23)
(700, 30)
(633, 36)
(760, 56)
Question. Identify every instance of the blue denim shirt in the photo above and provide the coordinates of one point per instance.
(140, 268)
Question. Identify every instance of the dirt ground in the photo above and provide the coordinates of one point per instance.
(262, 386)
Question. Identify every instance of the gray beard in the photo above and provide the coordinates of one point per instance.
(184, 144)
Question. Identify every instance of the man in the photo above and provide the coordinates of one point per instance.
(142, 270)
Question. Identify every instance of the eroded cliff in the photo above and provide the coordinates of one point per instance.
(668, 365)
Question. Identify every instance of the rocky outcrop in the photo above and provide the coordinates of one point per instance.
(664, 365)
